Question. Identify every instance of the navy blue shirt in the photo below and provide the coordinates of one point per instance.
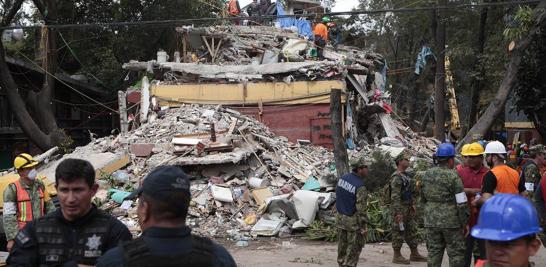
(165, 241)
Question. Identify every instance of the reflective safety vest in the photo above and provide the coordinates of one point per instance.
(24, 205)
(507, 179)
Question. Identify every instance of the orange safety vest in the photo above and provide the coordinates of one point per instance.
(24, 205)
(233, 10)
(507, 179)
(481, 263)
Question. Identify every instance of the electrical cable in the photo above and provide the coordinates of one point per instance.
(66, 84)
(213, 19)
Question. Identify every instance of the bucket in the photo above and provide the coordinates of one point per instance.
(257, 182)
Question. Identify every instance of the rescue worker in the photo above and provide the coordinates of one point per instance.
(508, 223)
(77, 233)
(445, 209)
(540, 203)
(501, 178)
(402, 192)
(472, 177)
(24, 200)
(530, 171)
(234, 9)
(351, 197)
(334, 33)
(464, 158)
(164, 198)
(321, 36)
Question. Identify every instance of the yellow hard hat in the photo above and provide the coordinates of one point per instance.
(464, 150)
(24, 161)
(475, 149)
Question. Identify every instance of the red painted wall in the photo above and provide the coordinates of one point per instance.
(309, 122)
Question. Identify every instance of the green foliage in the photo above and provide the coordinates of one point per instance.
(379, 171)
(521, 23)
(530, 88)
(379, 229)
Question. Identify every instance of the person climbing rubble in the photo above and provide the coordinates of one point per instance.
(352, 218)
(404, 227)
(321, 36)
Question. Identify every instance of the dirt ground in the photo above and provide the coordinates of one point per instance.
(299, 253)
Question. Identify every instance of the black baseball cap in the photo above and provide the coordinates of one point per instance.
(162, 181)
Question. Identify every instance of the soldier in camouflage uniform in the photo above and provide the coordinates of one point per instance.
(351, 197)
(446, 210)
(530, 172)
(402, 193)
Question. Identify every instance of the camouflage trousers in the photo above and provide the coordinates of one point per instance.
(349, 247)
(409, 234)
(450, 239)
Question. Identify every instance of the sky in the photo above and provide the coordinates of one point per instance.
(341, 5)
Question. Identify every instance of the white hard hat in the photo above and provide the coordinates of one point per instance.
(495, 147)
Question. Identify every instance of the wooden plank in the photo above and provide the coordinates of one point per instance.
(340, 150)
(519, 125)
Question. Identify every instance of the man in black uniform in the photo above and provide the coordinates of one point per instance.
(164, 198)
(77, 233)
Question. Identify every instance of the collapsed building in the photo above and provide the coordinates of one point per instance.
(245, 111)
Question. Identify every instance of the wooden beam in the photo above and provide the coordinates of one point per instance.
(340, 150)
(519, 125)
(361, 89)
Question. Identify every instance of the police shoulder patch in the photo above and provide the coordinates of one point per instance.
(22, 237)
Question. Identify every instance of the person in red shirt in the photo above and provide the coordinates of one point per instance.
(472, 174)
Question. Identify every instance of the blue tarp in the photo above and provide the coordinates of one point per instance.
(304, 26)
(422, 59)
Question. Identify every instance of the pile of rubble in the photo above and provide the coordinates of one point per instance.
(258, 53)
(247, 180)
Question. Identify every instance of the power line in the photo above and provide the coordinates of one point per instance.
(214, 19)
(66, 84)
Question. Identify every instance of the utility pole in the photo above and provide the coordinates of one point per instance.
(440, 78)
(340, 150)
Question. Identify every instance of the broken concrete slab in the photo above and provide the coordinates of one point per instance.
(141, 150)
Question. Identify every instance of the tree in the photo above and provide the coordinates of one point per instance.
(41, 128)
(518, 52)
(97, 52)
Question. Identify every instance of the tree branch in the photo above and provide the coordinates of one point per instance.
(12, 12)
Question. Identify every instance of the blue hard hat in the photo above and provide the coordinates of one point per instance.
(506, 217)
(445, 150)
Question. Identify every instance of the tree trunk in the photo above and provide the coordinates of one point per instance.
(497, 105)
(340, 150)
(477, 82)
(42, 129)
(439, 84)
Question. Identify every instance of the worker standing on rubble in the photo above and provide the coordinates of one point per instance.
(501, 178)
(77, 233)
(402, 191)
(351, 216)
(164, 199)
(24, 200)
(321, 36)
(472, 177)
(530, 171)
(445, 209)
(508, 224)
(234, 9)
